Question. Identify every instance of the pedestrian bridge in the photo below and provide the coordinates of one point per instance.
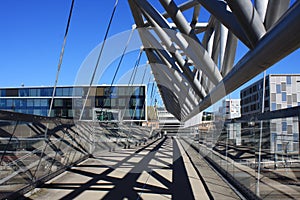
(54, 158)
(195, 63)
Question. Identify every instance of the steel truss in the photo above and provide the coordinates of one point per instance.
(191, 74)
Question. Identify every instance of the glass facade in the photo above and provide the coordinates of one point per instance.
(68, 101)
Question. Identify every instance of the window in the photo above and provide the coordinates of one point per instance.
(273, 137)
(9, 103)
(133, 102)
(122, 102)
(37, 102)
(46, 92)
(273, 127)
(283, 86)
(2, 103)
(58, 102)
(12, 92)
(66, 92)
(78, 92)
(44, 112)
(113, 102)
(70, 113)
(278, 106)
(34, 92)
(142, 91)
(107, 102)
(113, 91)
(283, 96)
(294, 98)
(278, 89)
(2, 93)
(107, 91)
(44, 102)
(23, 92)
(136, 91)
(289, 99)
(29, 102)
(296, 137)
(288, 80)
(59, 92)
(284, 126)
(279, 147)
(273, 106)
(289, 129)
(68, 103)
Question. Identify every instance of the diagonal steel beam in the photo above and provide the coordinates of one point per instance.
(206, 63)
(184, 6)
(181, 89)
(249, 19)
(147, 37)
(219, 10)
(276, 8)
(191, 48)
(261, 7)
(276, 44)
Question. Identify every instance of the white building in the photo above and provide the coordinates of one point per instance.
(281, 91)
(231, 108)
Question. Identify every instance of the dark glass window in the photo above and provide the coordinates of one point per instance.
(2, 93)
(284, 126)
(2, 103)
(296, 137)
(29, 102)
(46, 92)
(66, 92)
(68, 103)
(37, 102)
(58, 102)
(288, 80)
(24, 92)
(12, 92)
(9, 103)
(59, 92)
(44, 103)
(34, 92)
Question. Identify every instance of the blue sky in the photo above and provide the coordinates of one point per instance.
(32, 33)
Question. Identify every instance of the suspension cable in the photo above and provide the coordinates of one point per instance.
(61, 57)
(99, 56)
(136, 105)
(132, 78)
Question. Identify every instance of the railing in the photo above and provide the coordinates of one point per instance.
(33, 149)
(260, 156)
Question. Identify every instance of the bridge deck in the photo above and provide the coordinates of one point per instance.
(158, 170)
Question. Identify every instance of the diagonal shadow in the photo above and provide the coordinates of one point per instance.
(97, 177)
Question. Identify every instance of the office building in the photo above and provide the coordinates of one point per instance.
(281, 91)
(231, 108)
(117, 102)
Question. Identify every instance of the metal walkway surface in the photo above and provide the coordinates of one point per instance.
(158, 170)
